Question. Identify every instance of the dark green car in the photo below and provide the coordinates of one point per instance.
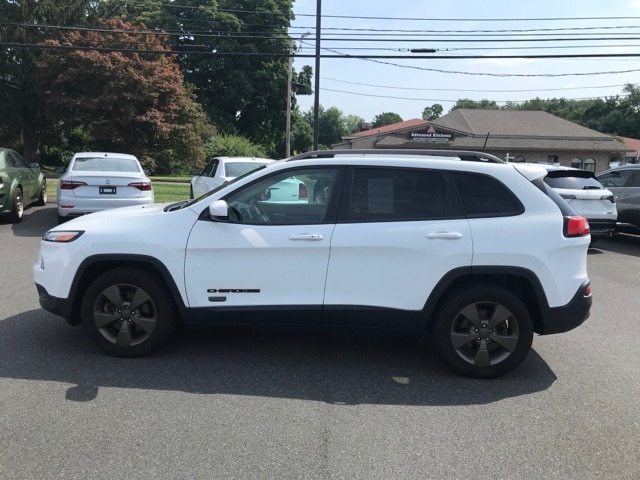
(21, 184)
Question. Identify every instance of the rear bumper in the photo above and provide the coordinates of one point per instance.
(601, 228)
(569, 316)
(627, 228)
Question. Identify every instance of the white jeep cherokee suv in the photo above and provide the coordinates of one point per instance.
(473, 253)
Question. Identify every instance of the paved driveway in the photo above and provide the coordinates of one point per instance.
(283, 405)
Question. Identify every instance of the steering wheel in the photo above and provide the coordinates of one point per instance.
(257, 212)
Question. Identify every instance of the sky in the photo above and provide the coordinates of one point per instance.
(367, 87)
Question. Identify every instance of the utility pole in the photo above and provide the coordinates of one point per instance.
(316, 101)
(287, 152)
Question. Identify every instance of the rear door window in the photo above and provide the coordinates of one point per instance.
(390, 194)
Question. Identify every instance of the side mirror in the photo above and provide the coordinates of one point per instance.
(195, 171)
(61, 169)
(35, 165)
(219, 210)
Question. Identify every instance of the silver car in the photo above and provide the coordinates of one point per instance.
(624, 182)
(95, 181)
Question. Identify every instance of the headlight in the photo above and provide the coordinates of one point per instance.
(62, 236)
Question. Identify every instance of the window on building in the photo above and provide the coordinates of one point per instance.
(577, 163)
(590, 164)
(519, 159)
(553, 159)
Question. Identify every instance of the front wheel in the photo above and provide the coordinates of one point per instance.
(128, 313)
(483, 332)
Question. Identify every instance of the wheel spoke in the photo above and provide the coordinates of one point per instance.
(102, 319)
(146, 324)
(470, 312)
(508, 342)
(482, 357)
(139, 298)
(499, 315)
(113, 295)
(459, 340)
(124, 336)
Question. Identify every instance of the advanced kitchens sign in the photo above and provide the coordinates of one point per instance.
(430, 136)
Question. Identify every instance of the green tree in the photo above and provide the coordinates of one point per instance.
(128, 101)
(386, 118)
(482, 104)
(331, 125)
(240, 85)
(432, 112)
(233, 146)
(23, 122)
(301, 133)
(352, 123)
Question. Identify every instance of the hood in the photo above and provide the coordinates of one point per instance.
(124, 214)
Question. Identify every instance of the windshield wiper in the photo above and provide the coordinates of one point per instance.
(175, 206)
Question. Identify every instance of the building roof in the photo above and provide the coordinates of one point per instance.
(632, 143)
(517, 123)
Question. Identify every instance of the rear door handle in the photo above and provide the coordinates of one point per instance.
(444, 236)
(314, 237)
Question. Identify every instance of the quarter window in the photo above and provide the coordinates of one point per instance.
(615, 178)
(387, 194)
(484, 196)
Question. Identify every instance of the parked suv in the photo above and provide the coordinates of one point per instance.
(587, 196)
(624, 183)
(473, 253)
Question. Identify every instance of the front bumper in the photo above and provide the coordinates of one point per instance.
(58, 306)
(569, 316)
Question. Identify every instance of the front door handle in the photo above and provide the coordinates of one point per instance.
(444, 236)
(314, 237)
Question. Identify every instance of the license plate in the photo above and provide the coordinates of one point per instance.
(108, 190)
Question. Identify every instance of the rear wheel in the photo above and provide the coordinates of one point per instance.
(17, 211)
(128, 313)
(483, 332)
(42, 198)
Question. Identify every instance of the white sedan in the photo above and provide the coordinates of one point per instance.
(220, 170)
(95, 181)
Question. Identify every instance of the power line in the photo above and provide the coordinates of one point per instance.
(440, 99)
(393, 87)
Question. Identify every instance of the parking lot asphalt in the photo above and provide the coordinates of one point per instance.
(256, 404)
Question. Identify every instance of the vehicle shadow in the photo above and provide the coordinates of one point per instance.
(623, 243)
(336, 368)
(36, 221)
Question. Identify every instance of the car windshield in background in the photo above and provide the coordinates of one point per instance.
(573, 181)
(236, 169)
(102, 164)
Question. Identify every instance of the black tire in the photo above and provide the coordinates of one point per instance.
(127, 313)
(483, 332)
(42, 198)
(17, 209)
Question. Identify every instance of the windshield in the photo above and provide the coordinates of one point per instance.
(104, 164)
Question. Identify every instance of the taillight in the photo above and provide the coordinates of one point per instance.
(302, 191)
(144, 186)
(576, 227)
(587, 291)
(70, 184)
(611, 198)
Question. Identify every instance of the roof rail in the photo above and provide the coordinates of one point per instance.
(467, 155)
